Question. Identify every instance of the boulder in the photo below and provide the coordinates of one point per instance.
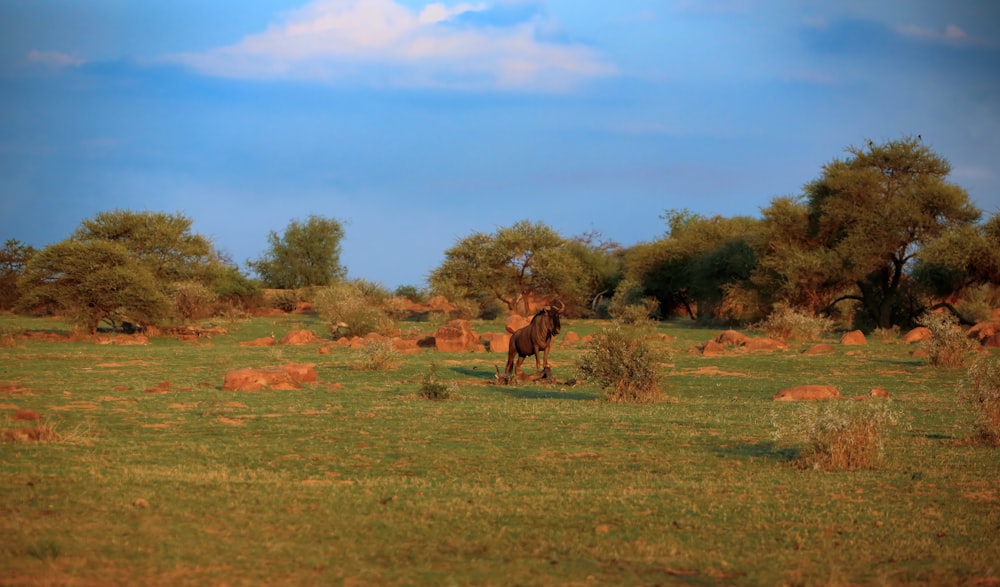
(287, 377)
(764, 344)
(713, 349)
(455, 336)
(299, 337)
(984, 330)
(853, 338)
(496, 342)
(918, 334)
(515, 322)
(732, 338)
(806, 393)
(993, 341)
(570, 338)
(441, 304)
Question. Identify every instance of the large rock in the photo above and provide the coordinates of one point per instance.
(764, 344)
(819, 349)
(984, 330)
(455, 336)
(713, 349)
(497, 342)
(298, 337)
(854, 338)
(732, 338)
(265, 341)
(515, 322)
(287, 377)
(806, 393)
(918, 334)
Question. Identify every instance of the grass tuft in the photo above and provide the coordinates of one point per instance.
(841, 436)
(982, 394)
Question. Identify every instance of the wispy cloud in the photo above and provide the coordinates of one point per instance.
(382, 42)
(53, 59)
(950, 34)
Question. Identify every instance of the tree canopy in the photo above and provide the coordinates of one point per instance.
(514, 264)
(307, 254)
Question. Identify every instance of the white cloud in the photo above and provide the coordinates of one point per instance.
(381, 42)
(53, 59)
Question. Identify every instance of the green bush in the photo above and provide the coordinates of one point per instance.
(433, 389)
(628, 305)
(286, 300)
(623, 365)
(841, 436)
(787, 323)
(948, 346)
(976, 304)
(982, 394)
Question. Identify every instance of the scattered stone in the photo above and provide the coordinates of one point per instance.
(712, 349)
(878, 392)
(807, 393)
(764, 344)
(570, 338)
(853, 338)
(140, 503)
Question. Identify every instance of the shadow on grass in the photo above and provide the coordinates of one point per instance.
(765, 450)
(555, 392)
(474, 372)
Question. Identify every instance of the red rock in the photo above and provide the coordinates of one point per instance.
(570, 338)
(993, 341)
(984, 331)
(819, 349)
(732, 338)
(515, 322)
(853, 338)
(289, 376)
(27, 415)
(918, 334)
(807, 393)
(764, 344)
(712, 349)
(497, 342)
(878, 392)
(455, 336)
(299, 337)
(404, 345)
(266, 341)
(441, 304)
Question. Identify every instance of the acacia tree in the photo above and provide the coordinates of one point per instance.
(307, 254)
(697, 262)
(512, 265)
(91, 281)
(162, 242)
(962, 257)
(874, 211)
(14, 257)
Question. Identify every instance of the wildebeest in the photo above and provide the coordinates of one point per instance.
(534, 339)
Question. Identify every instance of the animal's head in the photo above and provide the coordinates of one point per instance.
(552, 312)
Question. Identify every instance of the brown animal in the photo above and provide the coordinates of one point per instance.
(534, 339)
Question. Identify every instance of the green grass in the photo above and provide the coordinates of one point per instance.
(357, 480)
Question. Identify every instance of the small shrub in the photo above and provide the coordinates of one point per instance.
(976, 304)
(623, 365)
(378, 355)
(787, 323)
(948, 346)
(982, 394)
(842, 436)
(433, 389)
(286, 300)
(886, 335)
(8, 337)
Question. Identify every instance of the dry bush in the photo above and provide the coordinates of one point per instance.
(8, 337)
(192, 300)
(841, 436)
(623, 365)
(378, 355)
(787, 323)
(352, 309)
(948, 346)
(432, 389)
(982, 394)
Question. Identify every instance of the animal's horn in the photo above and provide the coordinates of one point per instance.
(560, 307)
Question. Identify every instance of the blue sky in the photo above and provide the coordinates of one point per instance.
(418, 123)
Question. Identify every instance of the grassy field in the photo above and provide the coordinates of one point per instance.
(157, 476)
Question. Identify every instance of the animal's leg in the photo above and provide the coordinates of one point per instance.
(517, 367)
